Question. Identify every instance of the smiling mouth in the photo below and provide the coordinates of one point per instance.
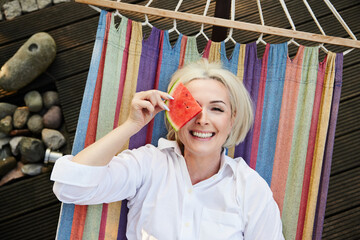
(202, 134)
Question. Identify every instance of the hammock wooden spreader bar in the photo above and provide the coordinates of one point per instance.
(225, 23)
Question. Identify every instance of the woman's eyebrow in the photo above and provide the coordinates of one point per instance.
(218, 101)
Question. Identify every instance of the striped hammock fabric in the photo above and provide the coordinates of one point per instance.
(290, 145)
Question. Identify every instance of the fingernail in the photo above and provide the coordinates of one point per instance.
(166, 107)
(170, 97)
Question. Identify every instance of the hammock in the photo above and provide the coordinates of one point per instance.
(295, 100)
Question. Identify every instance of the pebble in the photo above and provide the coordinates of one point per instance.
(5, 152)
(12, 9)
(28, 6)
(14, 145)
(6, 125)
(53, 139)
(52, 118)
(35, 123)
(33, 100)
(6, 165)
(4, 141)
(44, 3)
(60, 1)
(21, 116)
(50, 99)
(32, 149)
(6, 109)
(32, 169)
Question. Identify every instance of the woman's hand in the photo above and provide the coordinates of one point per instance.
(145, 105)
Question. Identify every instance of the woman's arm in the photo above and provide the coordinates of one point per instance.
(144, 106)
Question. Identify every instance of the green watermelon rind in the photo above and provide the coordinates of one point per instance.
(172, 89)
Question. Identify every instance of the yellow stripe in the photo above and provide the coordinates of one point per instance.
(322, 129)
(112, 220)
(214, 53)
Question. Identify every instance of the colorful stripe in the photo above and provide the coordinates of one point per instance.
(324, 116)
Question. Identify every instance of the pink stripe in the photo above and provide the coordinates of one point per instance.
(123, 73)
(310, 152)
(286, 125)
(259, 109)
(103, 221)
(207, 49)
(182, 51)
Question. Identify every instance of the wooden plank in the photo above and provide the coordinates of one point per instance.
(346, 153)
(344, 192)
(343, 226)
(40, 224)
(226, 23)
(348, 117)
(35, 192)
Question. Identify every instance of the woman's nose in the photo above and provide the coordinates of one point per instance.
(201, 118)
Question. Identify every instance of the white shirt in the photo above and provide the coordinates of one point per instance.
(235, 203)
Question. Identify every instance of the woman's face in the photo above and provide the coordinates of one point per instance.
(205, 134)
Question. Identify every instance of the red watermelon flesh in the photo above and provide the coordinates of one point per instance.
(183, 108)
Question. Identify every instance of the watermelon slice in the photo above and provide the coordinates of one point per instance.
(183, 108)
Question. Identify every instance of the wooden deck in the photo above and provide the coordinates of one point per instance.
(28, 208)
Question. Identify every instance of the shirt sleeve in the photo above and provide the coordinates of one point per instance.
(261, 213)
(120, 179)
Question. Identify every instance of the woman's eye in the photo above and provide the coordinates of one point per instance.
(217, 109)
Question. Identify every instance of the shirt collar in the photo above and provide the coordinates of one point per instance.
(226, 161)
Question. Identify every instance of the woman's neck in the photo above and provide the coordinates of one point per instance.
(201, 167)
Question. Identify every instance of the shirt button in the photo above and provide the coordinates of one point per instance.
(190, 191)
(187, 224)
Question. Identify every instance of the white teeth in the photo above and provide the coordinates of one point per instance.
(202, 135)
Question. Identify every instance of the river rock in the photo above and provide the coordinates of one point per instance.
(6, 125)
(32, 149)
(6, 165)
(32, 169)
(60, 1)
(14, 145)
(52, 118)
(5, 152)
(44, 3)
(6, 109)
(21, 116)
(28, 6)
(35, 123)
(34, 101)
(52, 139)
(4, 141)
(12, 9)
(32, 59)
(50, 99)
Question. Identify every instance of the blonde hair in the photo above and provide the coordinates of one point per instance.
(240, 101)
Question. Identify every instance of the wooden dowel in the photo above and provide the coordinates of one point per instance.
(224, 23)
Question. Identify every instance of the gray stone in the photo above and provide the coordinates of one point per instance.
(21, 116)
(50, 99)
(44, 3)
(60, 1)
(32, 169)
(6, 109)
(31, 60)
(34, 101)
(52, 139)
(5, 152)
(52, 118)
(6, 124)
(14, 145)
(28, 6)
(12, 9)
(4, 141)
(35, 123)
(6, 165)
(32, 149)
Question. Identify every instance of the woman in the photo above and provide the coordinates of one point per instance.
(186, 188)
